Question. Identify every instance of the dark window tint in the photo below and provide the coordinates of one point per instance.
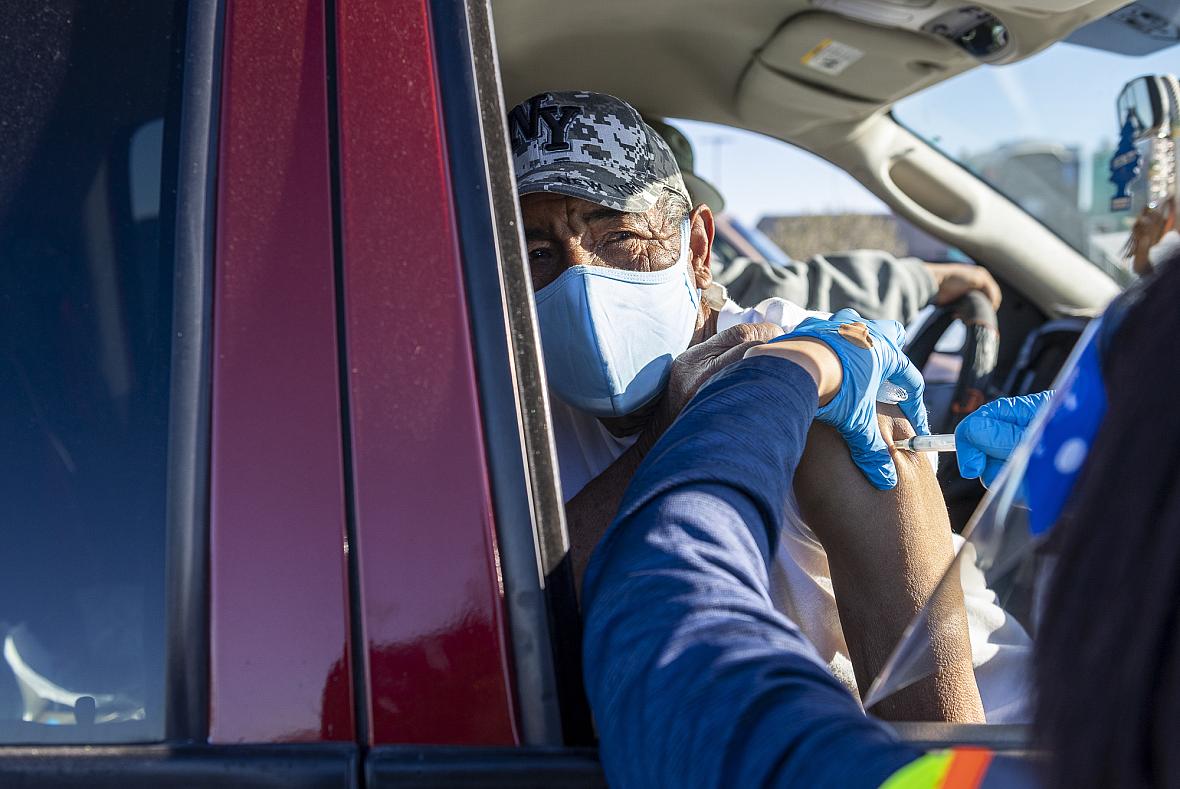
(85, 328)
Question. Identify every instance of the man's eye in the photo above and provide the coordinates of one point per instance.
(621, 235)
(539, 253)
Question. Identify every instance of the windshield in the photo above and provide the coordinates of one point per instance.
(1042, 131)
(764, 245)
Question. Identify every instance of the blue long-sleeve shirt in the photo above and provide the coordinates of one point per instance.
(694, 678)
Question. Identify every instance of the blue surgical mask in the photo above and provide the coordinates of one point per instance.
(609, 335)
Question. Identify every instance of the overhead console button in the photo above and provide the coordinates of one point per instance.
(976, 31)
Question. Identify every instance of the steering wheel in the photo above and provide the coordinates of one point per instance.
(980, 353)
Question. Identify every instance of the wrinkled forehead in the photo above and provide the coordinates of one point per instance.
(548, 214)
(548, 205)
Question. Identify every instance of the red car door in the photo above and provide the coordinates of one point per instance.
(465, 602)
(281, 453)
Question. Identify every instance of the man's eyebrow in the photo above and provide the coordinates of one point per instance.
(537, 234)
(542, 234)
(603, 213)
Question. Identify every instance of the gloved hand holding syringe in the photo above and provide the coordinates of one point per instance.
(989, 435)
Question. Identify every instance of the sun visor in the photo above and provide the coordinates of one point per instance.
(859, 61)
(768, 101)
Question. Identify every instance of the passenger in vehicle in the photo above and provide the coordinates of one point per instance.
(1154, 238)
(631, 327)
(871, 281)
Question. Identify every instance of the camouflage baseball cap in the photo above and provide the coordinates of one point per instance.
(592, 146)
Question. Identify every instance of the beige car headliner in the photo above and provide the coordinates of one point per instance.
(738, 63)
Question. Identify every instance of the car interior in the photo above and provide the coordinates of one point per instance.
(752, 67)
(783, 68)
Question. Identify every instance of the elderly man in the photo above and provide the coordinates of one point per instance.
(632, 325)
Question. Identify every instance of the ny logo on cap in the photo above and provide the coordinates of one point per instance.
(524, 124)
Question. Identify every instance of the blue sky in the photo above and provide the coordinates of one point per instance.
(1066, 94)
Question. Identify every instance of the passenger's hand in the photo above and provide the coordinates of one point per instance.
(1148, 230)
(869, 352)
(985, 439)
(955, 280)
(691, 369)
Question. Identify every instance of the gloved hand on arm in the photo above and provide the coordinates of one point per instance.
(985, 439)
(869, 353)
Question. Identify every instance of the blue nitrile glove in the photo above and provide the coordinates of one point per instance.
(853, 411)
(985, 439)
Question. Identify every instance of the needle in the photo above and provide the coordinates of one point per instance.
(940, 443)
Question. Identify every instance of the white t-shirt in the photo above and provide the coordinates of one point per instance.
(801, 583)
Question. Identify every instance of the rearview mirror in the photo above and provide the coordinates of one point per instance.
(1143, 168)
(1149, 103)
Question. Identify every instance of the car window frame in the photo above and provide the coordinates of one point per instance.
(425, 510)
(191, 243)
(544, 616)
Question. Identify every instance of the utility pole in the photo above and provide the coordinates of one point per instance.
(716, 142)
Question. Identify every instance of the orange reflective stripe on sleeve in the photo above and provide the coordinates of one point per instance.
(961, 768)
(968, 766)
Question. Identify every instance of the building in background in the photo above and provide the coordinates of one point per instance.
(805, 235)
(1060, 185)
(1043, 178)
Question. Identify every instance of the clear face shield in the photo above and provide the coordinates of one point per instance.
(1006, 554)
(1006, 551)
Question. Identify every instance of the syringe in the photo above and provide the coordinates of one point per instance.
(944, 442)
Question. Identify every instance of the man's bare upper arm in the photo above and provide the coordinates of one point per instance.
(887, 551)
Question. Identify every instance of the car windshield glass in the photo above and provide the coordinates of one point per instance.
(760, 242)
(1042, 131)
